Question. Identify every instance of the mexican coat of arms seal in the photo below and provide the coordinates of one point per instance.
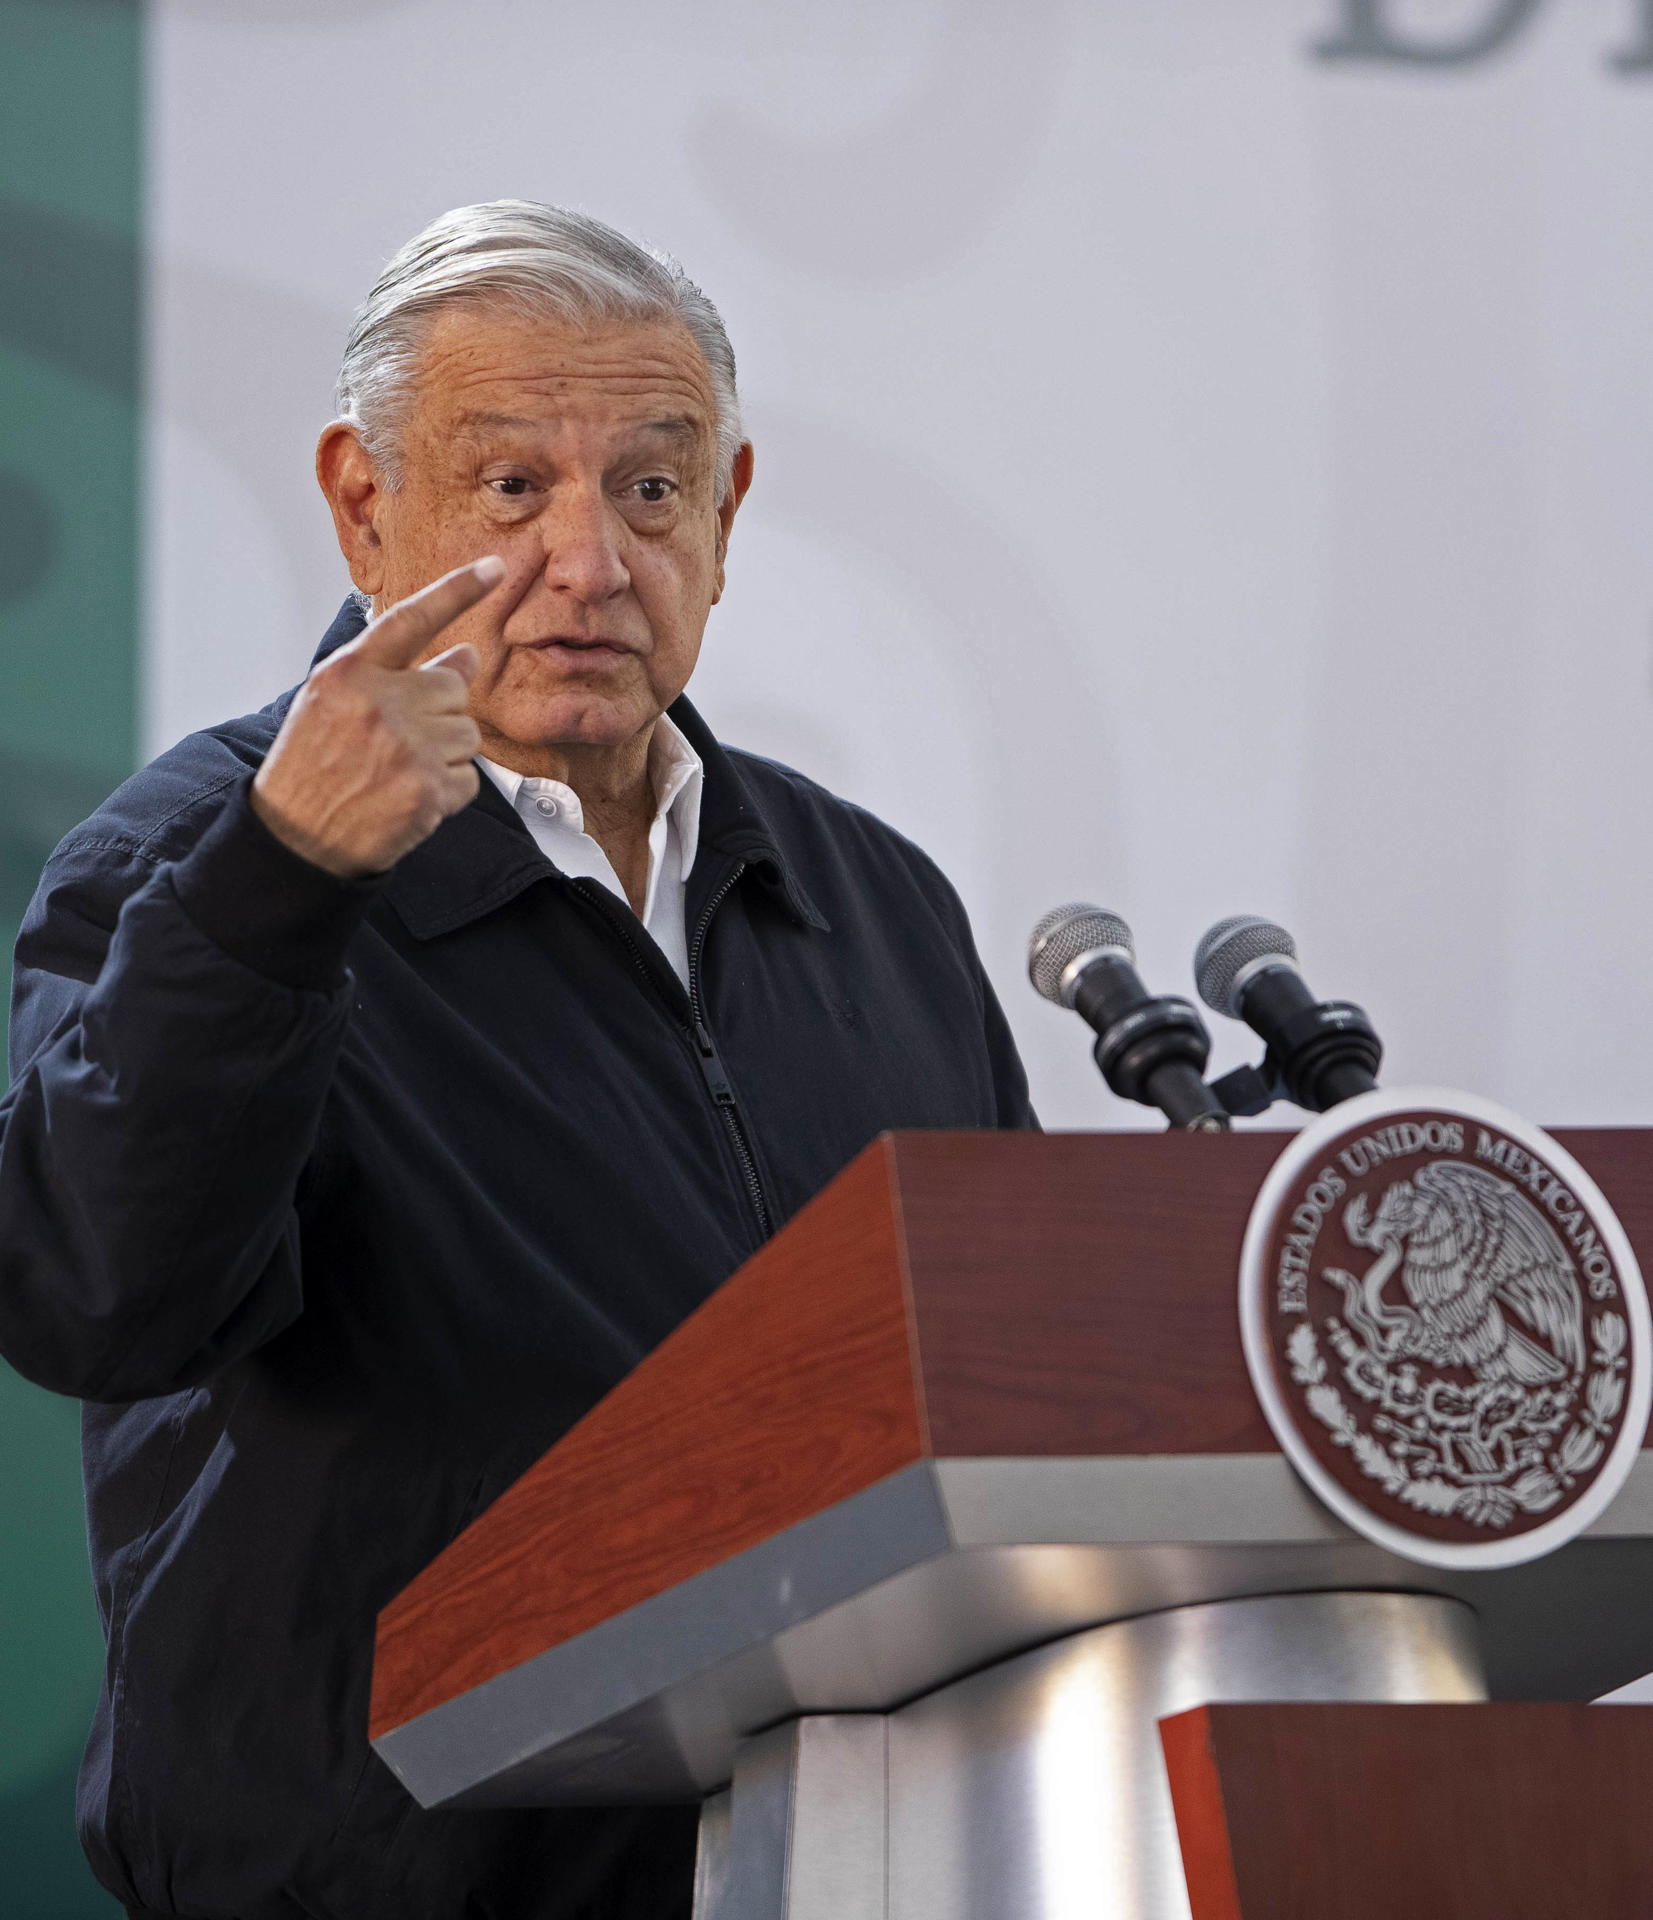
(1446, 1327)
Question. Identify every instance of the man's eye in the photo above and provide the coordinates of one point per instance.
(512, 486)
(655, 489)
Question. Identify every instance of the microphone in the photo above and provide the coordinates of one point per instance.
(1319, 1051)
(1152, 1050)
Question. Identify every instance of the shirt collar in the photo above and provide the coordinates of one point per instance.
(676, 773)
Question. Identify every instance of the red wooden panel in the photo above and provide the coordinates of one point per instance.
(1076, 1293)
(1296, 1812)
(1202, 1816)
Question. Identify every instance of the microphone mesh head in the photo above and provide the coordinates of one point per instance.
(1228, 949)
(1066, 932)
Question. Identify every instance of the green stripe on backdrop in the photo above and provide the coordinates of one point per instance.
(70, 146)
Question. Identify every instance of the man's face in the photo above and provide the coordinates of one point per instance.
(583, 457)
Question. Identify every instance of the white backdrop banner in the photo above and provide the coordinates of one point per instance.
(1204, 447)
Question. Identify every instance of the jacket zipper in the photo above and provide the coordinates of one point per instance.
(711, 1067)
(706, 1054)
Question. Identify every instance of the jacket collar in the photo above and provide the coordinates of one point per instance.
(734, 826)
(347, 623)
(485, 856)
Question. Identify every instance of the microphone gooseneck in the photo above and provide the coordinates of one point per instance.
(1150, 1048)
(1319, 1051)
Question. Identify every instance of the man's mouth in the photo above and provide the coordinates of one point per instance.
(572, 647)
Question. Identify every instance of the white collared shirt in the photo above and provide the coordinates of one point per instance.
(556, 819)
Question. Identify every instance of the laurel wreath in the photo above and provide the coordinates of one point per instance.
(1537, 1490)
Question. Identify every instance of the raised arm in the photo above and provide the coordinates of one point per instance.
(177, 1013)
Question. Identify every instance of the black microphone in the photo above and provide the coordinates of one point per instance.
(1150, 1049)
(1319, 1051)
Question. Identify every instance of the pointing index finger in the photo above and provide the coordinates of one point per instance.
(397, 638)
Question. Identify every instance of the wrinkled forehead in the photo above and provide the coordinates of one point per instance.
(486, 371)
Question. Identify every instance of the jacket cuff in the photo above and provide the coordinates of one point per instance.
(267, 906)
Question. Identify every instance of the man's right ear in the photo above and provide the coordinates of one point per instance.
(355, 492)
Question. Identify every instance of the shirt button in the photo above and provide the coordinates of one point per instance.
(547, 806)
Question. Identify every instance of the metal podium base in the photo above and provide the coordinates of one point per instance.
(1035, 1789)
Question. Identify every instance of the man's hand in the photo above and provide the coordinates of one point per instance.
(375, 753)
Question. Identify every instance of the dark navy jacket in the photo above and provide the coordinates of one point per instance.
(338, 1204)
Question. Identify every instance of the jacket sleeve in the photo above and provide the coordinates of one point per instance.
(1013, 1106)
(1009, 1075)
(175, 1026)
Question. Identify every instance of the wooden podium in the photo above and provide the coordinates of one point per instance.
(921, 1524)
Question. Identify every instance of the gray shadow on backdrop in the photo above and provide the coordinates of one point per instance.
(250, 370)
(1019, 671)
(1420, 685)
(260, 13)
(910, 188)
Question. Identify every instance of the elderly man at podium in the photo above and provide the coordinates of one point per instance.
(395, 1066)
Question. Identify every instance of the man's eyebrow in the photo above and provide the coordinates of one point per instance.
(499, 420)
(678, 427)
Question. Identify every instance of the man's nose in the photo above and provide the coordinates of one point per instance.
(582, 554)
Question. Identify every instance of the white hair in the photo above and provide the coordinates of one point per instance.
(542, 261)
